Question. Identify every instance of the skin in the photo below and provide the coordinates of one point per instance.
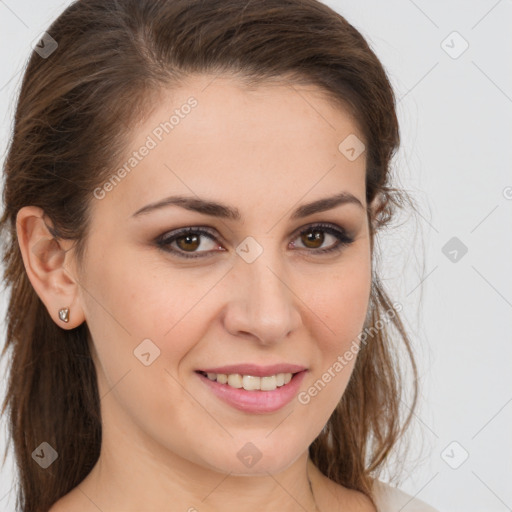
(168, 442)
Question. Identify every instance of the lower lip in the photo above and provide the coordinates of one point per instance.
(256, 401)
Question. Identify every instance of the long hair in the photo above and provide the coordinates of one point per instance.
(72, 122)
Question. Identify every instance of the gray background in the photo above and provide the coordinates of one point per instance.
(455, 111)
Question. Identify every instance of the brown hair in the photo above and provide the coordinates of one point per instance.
(72, 123)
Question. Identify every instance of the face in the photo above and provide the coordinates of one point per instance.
(260, 281)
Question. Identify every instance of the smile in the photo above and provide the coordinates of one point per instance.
(251, 382)
(256, 399)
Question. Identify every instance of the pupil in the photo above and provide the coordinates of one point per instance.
(316, 237)
(189, 239)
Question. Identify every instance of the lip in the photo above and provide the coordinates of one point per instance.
(255, 370)
(256, 402)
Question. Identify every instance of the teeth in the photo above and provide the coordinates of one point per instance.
(251, 383)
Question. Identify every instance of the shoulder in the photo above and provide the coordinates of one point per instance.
(73, 501)
(58, 506)
(392, 499)
(333, 496)
(62, 505)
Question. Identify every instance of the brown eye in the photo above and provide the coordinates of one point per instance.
(189, 242)
(186, 242)
(313, 239)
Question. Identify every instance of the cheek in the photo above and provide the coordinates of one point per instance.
(141, 298)
(342, 304)
(341, 299)
(131, 301)
(337, 350)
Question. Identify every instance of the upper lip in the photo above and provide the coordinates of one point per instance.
(254, 369)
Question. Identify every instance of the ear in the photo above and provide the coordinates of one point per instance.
(376, 206)
(49, 266)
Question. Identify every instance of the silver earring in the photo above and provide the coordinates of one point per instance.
(64, 314)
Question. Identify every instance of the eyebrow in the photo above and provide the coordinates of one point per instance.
(223, 211)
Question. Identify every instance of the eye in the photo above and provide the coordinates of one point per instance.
(186, 242)
(315, 235)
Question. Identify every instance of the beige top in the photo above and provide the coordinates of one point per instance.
(392, 499)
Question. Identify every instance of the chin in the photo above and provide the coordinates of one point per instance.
(249, 460)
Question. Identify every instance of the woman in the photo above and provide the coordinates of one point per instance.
(192, 192)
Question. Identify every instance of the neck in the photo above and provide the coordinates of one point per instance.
(311, 486)
(137, 476)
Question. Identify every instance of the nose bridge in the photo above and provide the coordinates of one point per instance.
(267, 309)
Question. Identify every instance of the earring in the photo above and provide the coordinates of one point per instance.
(64, 314)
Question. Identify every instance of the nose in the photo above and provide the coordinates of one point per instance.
(263, 304)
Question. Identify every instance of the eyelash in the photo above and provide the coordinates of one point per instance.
(164, 241)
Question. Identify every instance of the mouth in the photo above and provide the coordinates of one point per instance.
(253, 394)
(250, 382)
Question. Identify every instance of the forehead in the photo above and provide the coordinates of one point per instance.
(216, 136)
